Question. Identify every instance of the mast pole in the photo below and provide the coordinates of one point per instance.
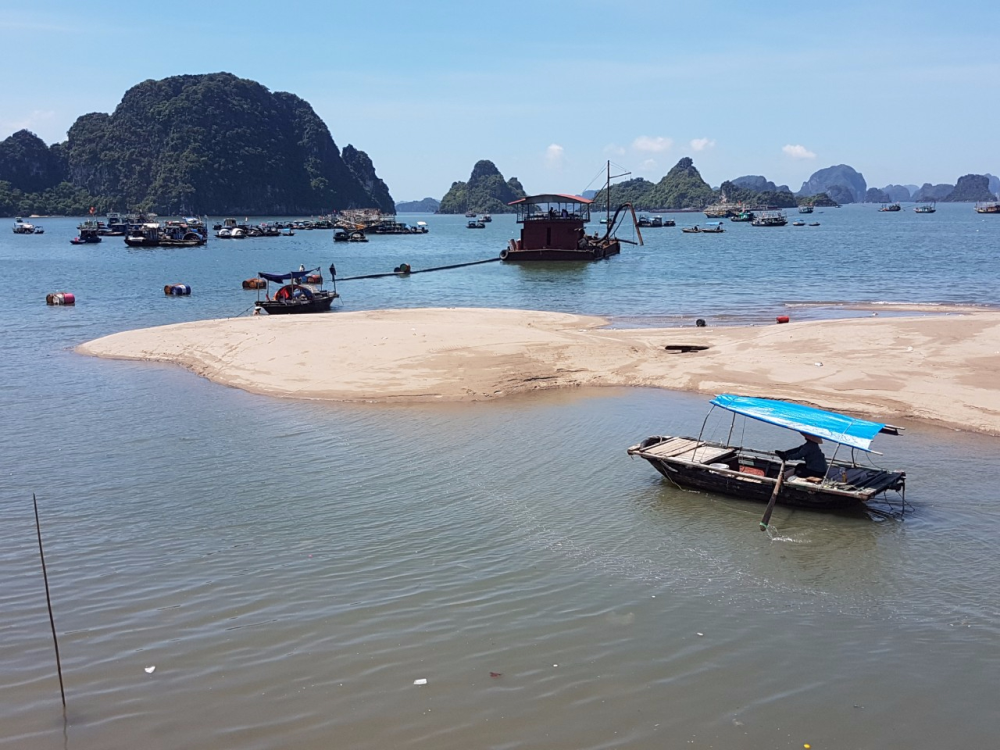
(607, 198)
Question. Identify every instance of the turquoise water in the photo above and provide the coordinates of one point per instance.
(291, 568)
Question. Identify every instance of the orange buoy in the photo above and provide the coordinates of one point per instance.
(60, 298)
(782, 318)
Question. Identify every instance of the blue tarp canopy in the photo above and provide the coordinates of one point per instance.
(281, 278)
(856, 433)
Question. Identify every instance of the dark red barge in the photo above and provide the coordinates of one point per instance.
(553, 229)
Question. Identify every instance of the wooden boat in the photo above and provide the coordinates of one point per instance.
(89, 233)
(553, 229)
(357, 237)
(691, 230)
(473, 224)
(713, 227)
(926, 208)
(798, 223)
(770, 219)
(990, 207)
(757, 475)
(303, 293)
(814, 223)
(486, 218)
(805, 209)
(890, 207)
(144, 235)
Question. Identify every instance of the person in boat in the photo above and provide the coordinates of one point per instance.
(813, 464)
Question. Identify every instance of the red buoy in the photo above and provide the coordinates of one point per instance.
(782, 318)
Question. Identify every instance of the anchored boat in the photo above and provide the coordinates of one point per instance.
(759, 475)
(301, 292)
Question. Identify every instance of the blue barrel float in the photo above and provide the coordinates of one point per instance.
(177, 290)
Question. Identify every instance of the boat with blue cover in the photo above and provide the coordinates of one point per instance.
(300, 292)
(749, 474)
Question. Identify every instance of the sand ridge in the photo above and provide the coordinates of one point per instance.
(944, 368)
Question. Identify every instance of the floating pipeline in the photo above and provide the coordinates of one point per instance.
(404, 269)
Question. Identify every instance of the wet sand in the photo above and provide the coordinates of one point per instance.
(942, 368)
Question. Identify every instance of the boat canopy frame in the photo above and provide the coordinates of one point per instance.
(552, 207)
(808, 420)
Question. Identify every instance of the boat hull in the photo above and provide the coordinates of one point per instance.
(598, 252)
(753, 478)
(321, 302)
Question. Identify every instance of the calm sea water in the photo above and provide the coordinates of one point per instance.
(291, 568)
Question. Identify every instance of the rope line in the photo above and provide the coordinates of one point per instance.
(423, 270)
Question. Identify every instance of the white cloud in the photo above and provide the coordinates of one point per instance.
(700, 144)
(656, 145)
(28, 121)
(798, 152)
(648, 166)
(613, 149)
(554, 156)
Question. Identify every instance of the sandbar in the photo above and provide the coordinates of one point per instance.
(942, 368)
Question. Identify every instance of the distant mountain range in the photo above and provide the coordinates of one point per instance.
(209, 143)
(683, 188)
(425, 206)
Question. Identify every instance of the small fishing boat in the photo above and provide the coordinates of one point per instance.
(486, 218)
(814, 223)
(300, 292)
(798, 223)
(146, 234)
(341, 235)
(691, 230)
(890, 207)
(470, 214)
(770, 219)
(749, 474)
(89, 233)
(23, 227)
(744, 216)
(474, 224)
(712, 227)
(989, 207)
(357, 237)
(805, 209)
(926, 208)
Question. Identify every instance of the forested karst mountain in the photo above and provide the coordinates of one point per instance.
(842, 183)
(423, 206)
(730, 192)
(929, 192)
(214, 143)
(970, 189)
(485, 192)
(635, 191)
(28, 164)
(897, 192)
(681, 187)
(760, 184)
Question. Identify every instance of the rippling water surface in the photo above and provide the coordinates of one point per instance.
(291, 568)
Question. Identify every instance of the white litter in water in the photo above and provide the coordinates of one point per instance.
(819, 364)
(150, 670)
(701, 634)
(420, 682)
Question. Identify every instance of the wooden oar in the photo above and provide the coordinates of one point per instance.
(774, 498)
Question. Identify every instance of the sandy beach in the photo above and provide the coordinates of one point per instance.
(941, 368)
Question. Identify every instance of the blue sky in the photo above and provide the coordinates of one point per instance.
(905, 92)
